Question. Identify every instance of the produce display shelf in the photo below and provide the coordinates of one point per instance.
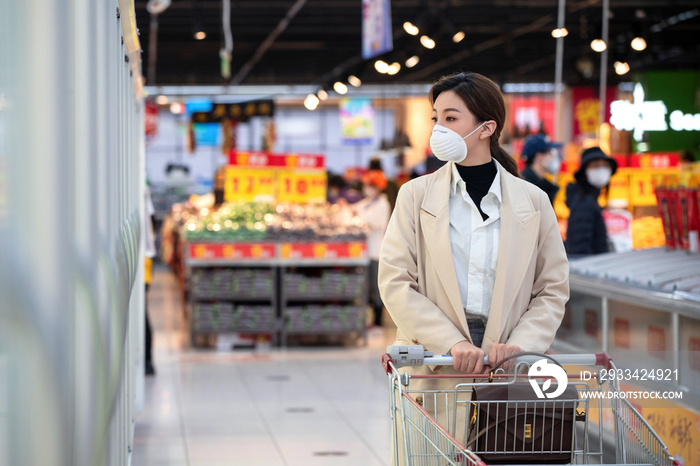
(343, 264)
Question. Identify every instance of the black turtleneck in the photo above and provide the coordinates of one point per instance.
(478, 179)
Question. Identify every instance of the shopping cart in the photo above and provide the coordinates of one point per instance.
(427, 429)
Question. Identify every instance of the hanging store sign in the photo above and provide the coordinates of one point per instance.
(241, 111)
(640, 116)
(357, 121)
(376, 28)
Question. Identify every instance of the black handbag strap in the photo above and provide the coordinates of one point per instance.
(522, 353)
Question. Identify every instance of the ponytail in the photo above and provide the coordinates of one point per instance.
(502, 157)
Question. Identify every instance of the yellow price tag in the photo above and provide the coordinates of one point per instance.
(642, 189)
(286, 251)
(302, 186)
(249, 184)
(355, 250)
(200, 251)
(320, 250)
(619, 187)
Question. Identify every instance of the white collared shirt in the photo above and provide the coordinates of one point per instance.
(475, 243)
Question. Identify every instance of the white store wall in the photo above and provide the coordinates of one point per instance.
(298, 130)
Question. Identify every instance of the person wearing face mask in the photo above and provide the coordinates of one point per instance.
(586, 233)
(472, 262)
(540, 160)
(374, 210)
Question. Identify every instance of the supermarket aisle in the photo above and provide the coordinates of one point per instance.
(315, 406)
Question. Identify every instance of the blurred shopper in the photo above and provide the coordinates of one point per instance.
(374, 210)
(472, 261)
(338, 189)
(586, 233)
(540, 160)
(149, 253)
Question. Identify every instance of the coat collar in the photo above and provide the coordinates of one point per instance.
(513, 195)
(519, 219)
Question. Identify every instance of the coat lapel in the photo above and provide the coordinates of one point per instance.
(435, 222)
(518, 238)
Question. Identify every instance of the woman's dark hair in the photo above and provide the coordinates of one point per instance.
(375, 164)
(484, 99)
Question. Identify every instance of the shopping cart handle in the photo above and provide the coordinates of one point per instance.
(415, 355)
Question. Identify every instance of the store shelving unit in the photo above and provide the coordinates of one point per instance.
(231, 288)
(323, 289)
(299, 288)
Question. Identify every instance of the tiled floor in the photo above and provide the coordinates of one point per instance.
(309, 406)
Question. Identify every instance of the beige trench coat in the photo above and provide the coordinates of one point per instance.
(418, 283)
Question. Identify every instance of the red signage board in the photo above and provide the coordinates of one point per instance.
(267, 160)
(586, 107)
(354, 250)
(213, 251)
(656, 160)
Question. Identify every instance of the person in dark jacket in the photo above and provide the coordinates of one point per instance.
(586, 233)
(540, 160)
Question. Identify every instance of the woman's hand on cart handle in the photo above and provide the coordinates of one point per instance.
(467, 357)
(500, 351)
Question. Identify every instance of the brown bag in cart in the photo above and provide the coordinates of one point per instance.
(509, 424)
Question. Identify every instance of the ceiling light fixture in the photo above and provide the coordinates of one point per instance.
(559, 33)
(323, 95)
(599, 45)
(177, 108)
(427, 42)
(162, 100)
(621, 68)
(354, 81)
(413, 61)
(639, 44)
(311, 102)
(394, 68)
(381, 66)
(340, 88)
(410, 28)
(458, 37)
(200, 35)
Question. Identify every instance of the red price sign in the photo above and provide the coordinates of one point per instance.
(354, 250)
(213, 251)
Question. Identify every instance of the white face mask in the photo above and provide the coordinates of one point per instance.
(599, 176)
(553, 165)
(448, 145)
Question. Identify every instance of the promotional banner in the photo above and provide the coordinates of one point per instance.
(357, 121)
(586, 107)
(531, 115)
(376, 28)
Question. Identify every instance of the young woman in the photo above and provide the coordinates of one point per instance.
(472, 262)
(586, 233)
